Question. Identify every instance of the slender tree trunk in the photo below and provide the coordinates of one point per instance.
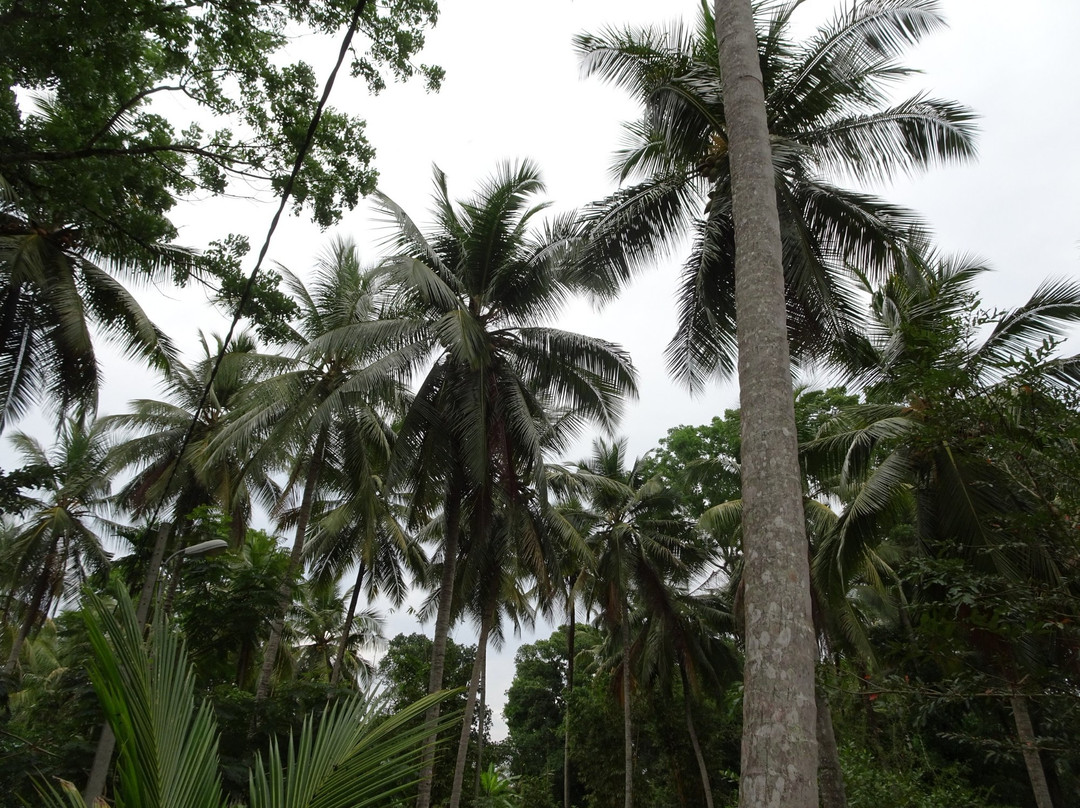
(339, 660)
(779, 749)
(480, 738)
(262, 689)
(470, 711)
(1026, 734)
(571, 629)
(628, 739)
(706, 785)
(442, 632)
(830, 776)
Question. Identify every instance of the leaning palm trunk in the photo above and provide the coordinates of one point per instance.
(470, 711)
(482, 712)
(779, 749)
(706, 785)
(1025, 732)
(339, 660)
(830, 776)
(262, 689)
(438, 650)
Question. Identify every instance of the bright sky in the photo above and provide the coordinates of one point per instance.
(513, 90)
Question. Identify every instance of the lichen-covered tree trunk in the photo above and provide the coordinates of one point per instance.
(779, 746)
(628, 738)
(1025, 732)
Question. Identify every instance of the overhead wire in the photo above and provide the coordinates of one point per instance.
(245, 295)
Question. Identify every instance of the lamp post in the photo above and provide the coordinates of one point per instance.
(99, 769)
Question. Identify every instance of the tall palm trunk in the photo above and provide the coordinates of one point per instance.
(442, 632)
(706, 784)
(1025, 732)
(779, 749)
(285, 593)
(470, 710)
(339, 660)
(571, 629)
(830, 776)
(628, 739)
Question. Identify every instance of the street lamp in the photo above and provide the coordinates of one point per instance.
(203, 548)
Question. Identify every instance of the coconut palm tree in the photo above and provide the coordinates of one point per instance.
(180, 478)
(483, 280)
(637, 544)
(60, 542)
(826, 104)
(330, 401)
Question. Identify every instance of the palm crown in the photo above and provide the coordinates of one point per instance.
(828, 115)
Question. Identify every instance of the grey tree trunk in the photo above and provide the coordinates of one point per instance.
(339, 660)
(706, 784)
(438, 650)
(480, 738)
(262, 689)
(1026, 734)
(470, 712)
(830, 776)
(779, 747)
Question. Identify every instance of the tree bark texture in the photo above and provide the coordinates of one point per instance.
(779, 747)
(830, 776)
(470, 712)
(438, 649)
(1025, 732)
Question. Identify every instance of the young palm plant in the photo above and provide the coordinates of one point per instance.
(351, 756)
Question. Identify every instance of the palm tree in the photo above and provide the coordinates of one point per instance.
(182, 478)
(330, 402)
(482, 281)
(637, 544)
(60, 542)
(826, 115)
(948, 444)
(55, 281)
(359, 524)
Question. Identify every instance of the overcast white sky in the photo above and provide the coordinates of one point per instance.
(513, 90)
